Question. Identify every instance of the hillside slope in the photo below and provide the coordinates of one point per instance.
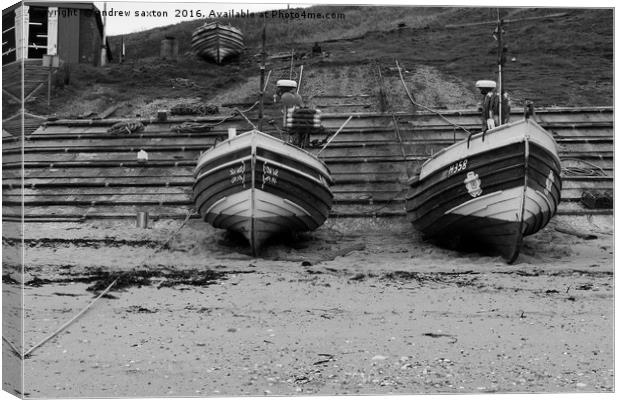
(565, 59)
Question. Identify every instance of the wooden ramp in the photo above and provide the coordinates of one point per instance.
(75, 170)
(18, 124)
(33, 80)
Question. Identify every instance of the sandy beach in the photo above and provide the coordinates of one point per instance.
(360, 306)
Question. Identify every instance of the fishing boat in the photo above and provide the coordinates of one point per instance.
(217, 42)
(261, 186)
(491, 189)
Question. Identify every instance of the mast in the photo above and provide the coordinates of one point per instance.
(262, 82)
(500, 63)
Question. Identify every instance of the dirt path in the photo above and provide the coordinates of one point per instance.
(374, 311)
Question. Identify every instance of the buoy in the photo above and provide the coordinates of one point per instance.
(143, 156)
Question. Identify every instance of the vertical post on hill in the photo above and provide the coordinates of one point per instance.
(49, 85)
(262, 82)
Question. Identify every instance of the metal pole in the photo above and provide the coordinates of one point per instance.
(301, 71)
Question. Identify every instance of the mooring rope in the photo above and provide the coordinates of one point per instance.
(246, 118)
(386, 104)
(17, 352)
(190, 127)
(425, 107)
(374, 211)
(106, 290)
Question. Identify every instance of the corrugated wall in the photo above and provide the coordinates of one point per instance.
(68, 34)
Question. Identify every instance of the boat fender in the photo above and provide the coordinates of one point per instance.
(143, 156)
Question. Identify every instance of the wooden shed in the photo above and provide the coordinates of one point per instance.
(73, 31)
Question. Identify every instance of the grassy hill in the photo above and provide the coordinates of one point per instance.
(556, 57)
(284, 33)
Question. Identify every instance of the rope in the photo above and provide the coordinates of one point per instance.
(595, 170)
(246, 118)
(66, 324)
(17, 352)
(126, 127)
(190, 127)
(106, 290)
(385, 104)
(193, 109)
(387, 203)
(423, 106)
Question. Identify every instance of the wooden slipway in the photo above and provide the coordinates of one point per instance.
(73, 169)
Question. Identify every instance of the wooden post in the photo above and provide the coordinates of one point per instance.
(301, 72)
(49, 84)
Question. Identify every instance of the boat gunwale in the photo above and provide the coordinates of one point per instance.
(326, 173)
(497, 130)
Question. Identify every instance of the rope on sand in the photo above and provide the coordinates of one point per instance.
(66, 324)
(105, 291)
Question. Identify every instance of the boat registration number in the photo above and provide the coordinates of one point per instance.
(457, 167)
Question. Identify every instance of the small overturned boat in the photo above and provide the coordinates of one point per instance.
(260, 186)
(217, 42)
(492, 189)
